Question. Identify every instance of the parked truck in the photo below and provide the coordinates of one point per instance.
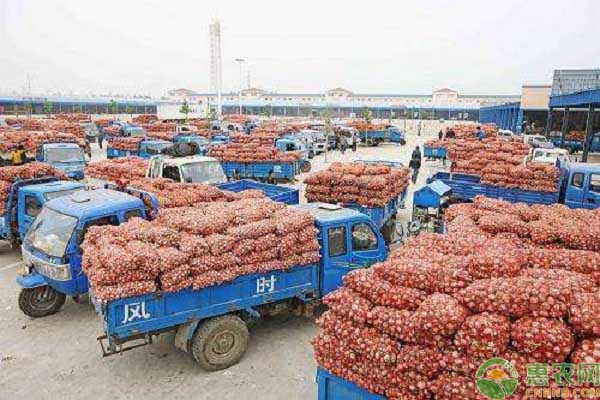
(574, 145)
(145, 149)
(578, 187)
(211, 323)
(51, 246)
(333, 387)
(25, 201)
(67, 157)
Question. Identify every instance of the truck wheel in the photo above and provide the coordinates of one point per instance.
(220, 342)
(402, 142)
(40, 301)
(311, 154)
(305, 167)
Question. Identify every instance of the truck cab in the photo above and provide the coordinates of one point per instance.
(151, 148)
(132, 131)
(537, 141)
(349, 240)
(67, 157)
(580, 185)
(30, 196)
(192, 169)
(91, 130)
(51, 251)
(548, 156)
(201, 141)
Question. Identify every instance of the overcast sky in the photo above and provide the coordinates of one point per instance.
(149, 47)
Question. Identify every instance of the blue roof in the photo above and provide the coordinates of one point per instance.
(328, 213)
(94, 203)
(439, 187)
(505, 106)
(55, 186)
(61, 145)
(578, 99)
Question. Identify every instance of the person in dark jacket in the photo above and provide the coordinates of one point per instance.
(100, 138)
(416, 153)
(440, 135)
(415, 165)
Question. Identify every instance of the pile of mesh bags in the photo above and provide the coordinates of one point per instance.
(125, 143)
(144, 119)
(367, 185)
(118, 170)
(196, 247)
(9, 175)
(419, 325)
(252, 153)
(33, 140)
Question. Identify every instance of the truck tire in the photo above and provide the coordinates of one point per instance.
(220, 342)
(306, 167)
(41, 301)
(402, 142)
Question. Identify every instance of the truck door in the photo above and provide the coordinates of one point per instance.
(575, 190)
(29, 207)
(592, 195)
(365, 245)
(336, 257)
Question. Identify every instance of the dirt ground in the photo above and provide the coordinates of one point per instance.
(59, 355)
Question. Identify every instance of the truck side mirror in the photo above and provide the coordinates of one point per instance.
(79, 236)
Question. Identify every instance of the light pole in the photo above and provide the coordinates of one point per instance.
(240, 61)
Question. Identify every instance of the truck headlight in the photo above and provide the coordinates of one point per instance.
(2, 223)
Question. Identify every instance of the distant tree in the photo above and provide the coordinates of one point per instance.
(267, 111)
(366, 114)
(185, 109)
(129, 110)
(28, 108)
(212, 114)
(47, 107)
(113, 107)
(78, 108)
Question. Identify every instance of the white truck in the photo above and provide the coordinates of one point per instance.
(191, 169)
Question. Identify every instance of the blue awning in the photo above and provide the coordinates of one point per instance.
(579, 99)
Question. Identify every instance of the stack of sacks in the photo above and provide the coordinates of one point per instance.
(545, 227)
(500, 163)
(33, 140)
(259, 138)
(419, 325)
(175, 194)
(253, 153)
(144, 119)
(368, 185)
(73, 117)
(576, 135)
(118, 169)
(9, 175)
(159, 127)
(54, 125)
(125, 143)
(468, 130)
(197, 247)
(436, 144)
(112, 131)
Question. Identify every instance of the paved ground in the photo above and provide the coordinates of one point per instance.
(59, 356)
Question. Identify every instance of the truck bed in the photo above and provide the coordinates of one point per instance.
(332, 387)
(466, 187)
(380, 215)
(128, 318)
(282, 194)
(281, 170)
(435, 152)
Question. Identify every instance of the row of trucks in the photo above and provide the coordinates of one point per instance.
(68, 157)
(211, 323)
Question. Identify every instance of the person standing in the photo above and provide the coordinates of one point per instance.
(415, 165)
(100, 137)
(18, 156)
(343, 144)
(440, 135)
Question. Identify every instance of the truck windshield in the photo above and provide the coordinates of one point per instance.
(156, 148)
(58, 155)
(90, 129)
(203, 172)
(135, 132)
(51, 232)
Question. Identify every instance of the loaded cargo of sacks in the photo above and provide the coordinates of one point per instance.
(196, 247)
(419, 325)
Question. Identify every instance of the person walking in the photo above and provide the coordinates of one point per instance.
(416, 153)
(343, 144)
(415, 165)
(440, 135)
(100, 137)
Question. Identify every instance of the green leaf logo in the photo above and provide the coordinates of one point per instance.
(497, 379)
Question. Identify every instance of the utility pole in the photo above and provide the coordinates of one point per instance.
(240, 61)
